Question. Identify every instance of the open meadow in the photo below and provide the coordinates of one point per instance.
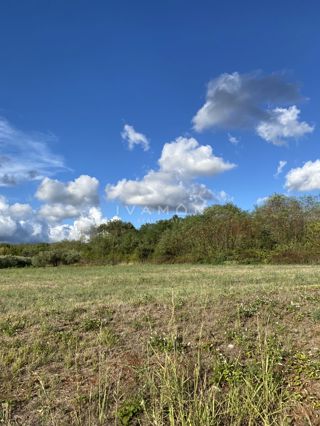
(160, 345)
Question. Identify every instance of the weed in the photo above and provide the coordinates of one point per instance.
(165, 343)
(129, 410)
(107, 337)
(11, 327)
(93, 324)
(316, 315)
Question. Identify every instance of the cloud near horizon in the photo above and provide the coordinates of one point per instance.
(20, 223)
(172, 185)
(243, 101)
(67, 200)
(77, 200)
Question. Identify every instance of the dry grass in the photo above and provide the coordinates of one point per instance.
(160, 345)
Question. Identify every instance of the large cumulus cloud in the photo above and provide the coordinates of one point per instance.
(70, 211)
(173, 184)
(67, 200)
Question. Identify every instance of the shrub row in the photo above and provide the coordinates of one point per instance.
(43, 258)
(14, 262)
(55, 258)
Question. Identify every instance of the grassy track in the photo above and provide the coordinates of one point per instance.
(160, 345)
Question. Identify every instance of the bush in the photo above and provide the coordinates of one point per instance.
(293, 254)
(71, 257)
(253, 256)
(14, 262)
(55, 258)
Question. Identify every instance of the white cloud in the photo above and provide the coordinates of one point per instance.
(305, 178)
(133, 137)
(19, 223)
(252, 101)
(78, 199)
(188, 159)
(282, 164)
(282, 124)
(240, 100)
(25, 156)
(20, 211)
(160, 190)
(58, 212)
(172, 184)
(67, 200)
(81, 191)
(261, 200)
(223, 197)
(232, 139)
(80, 229)
(7, 227)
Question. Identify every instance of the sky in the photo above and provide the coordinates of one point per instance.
(141, 110)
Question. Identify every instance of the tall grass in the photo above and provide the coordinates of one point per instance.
(217, 390)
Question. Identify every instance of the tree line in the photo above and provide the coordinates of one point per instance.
(281, 230)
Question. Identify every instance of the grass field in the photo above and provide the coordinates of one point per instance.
(160, 345)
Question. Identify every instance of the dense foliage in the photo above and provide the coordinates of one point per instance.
(282, 230)
(14, 261)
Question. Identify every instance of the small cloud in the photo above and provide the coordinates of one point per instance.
(130, 135)
(232, 139)
(281, 166)
(223, 197)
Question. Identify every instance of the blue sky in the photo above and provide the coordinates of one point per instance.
(74, 74)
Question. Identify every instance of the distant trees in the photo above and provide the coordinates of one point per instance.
(150, 235)
(282, 230)
(114, 241)
(312, 235)
(282, 219)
